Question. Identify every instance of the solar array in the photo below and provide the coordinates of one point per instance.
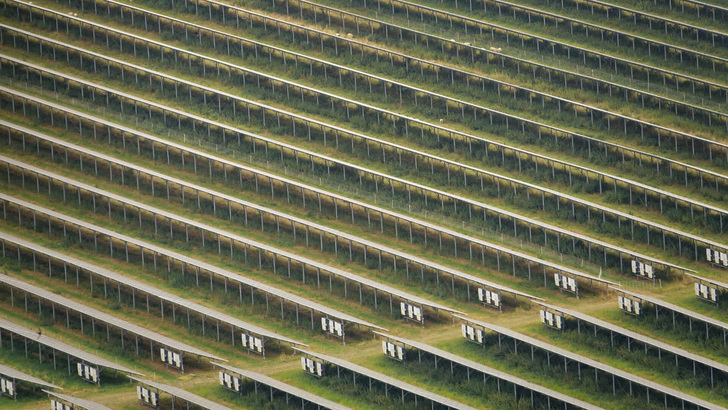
(552, 398)
(18, 285)
(544, 71)
(85, 154)
(595, 149)
(617, 216)
(249, 244)
(130, 205)
(275, 385)
(74, 264)
(555, 164)
(292, 187)
(13, 330)
(560, 232)
(405, 388)
(596, 113)
(75, 401)
(715, 368)
(584, 363)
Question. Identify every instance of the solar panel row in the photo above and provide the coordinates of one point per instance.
(474, 207)
(342, 240)
(463, 244)
(408, 92)
(712, 366)
(159, 217)
(435, 399)
(491, 179)
(95, 234)
(102, 318)
(585, 363)
(595, 58)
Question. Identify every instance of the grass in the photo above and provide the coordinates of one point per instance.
(283, 365)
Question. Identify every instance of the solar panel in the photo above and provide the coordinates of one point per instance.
(102, 317)
(521, 338)
(81, 355)
(12, 375)
(444, 69)
(278, 385)
(406, 387)
(440, 193)
(75, 401)
(148, 385)
(368, 108)
(142, 287)
(281, 216)
(129, 241)
(487, 371)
